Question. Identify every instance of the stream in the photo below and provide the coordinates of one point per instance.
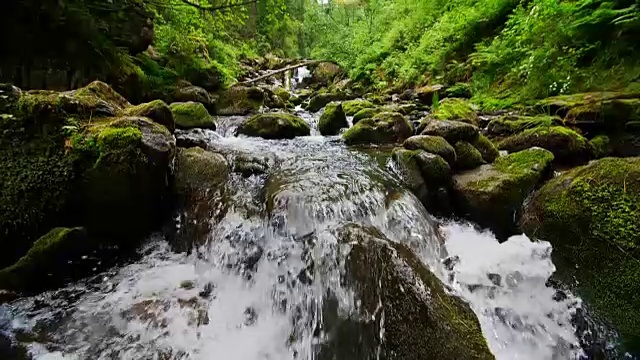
(255, 289)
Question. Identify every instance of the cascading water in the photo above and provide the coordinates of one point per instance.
(256, 288)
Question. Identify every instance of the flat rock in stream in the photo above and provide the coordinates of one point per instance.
(400, 298)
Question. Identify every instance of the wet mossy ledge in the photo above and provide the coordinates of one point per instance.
(79, 158)
(591, 216)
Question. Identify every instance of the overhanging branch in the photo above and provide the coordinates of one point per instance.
(217, 8)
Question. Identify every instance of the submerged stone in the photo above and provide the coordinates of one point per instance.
(491, 194)
(275, 126)
(383, 128)
(591, 216)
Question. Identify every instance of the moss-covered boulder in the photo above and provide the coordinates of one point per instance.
(282, 93)
(157, 110)
(195, 94)
(591, 215)
(50, 260)
(422, 319)
(513, 124)
(200, 179)
(487, 148)
(383, 128)
(432, 144)
(319, 101)
(365, 114)
(452, 131)
(275, 126)
(352, 107)
(332, 120)
(600, 145)
(239, 100)
(491, 194)
(427, 94)
(567, 145)
(189, 115)
(467, 156)
(68, 162)
(456, 109)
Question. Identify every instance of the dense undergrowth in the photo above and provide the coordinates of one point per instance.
(509, 50)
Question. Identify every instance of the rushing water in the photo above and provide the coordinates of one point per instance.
(255, 289)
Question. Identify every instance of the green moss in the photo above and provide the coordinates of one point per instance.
(432, 144)
(332, 120)
(352, 107)
(197, 169)
(590, 215)
(452, 131)
(320, 100)
(467, 156)
(275, 126)
(455, 109)
(102, 91)
(189, 115)
(282, 93)
(239, 100)
(509, 125)
(486, 147)
(382, 128)
(157, 110)
(566, 144)
(460, 90)
(365, 113)
(600, 145)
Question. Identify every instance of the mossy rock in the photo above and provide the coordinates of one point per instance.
(452, 131)
(195, 94)
(50, 260)
(491, 194)
(422, 320)
(197, 169)
(332, 120)
(432, 144)
(365, 114)
(157, 110)
(319, 101)
(467, 156)
(598, 111)
(567, 145)
(456, 109)
(352, 107)
(189, 115)
(427, 94)
(459, 90)
(102, 91)
(282, 93)
(600, 145)
(410, 172)
(591, 216)
(239, 100)
(275, 126)
(383, 128)
(510, 124)
(487, 148)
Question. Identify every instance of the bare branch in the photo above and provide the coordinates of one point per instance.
(217, 8)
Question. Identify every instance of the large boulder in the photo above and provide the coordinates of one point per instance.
(591, 215)
(239, 100)
(275, 126)
(157, 110)
(432, 144)
(491, 194)
(189, 115)
(319, 101)
(455, 109)
(422, 319)
(352, 107)
(196, 94)
(72, 158)
(332, 120)
(386, 127)
(566, 144)
(452, 131)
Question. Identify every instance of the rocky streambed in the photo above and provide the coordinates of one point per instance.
(259, 223)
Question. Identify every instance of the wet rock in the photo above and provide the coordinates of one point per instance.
(365, 114)
(432, 144)
(319, 101)
(591, 215)
(156, 110)
(467, 156)
(194, 94)
(352, 107)
(456, 109)
(567, 145)
(275, 126)
(383, 128)
(248, 165)
(421, 320)
(187, 284)
(332, 120)
(189, 115)
(491, 194)
(49, 260)
(486, 148)
(239, 100)
(197, 169)
(452, 131)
